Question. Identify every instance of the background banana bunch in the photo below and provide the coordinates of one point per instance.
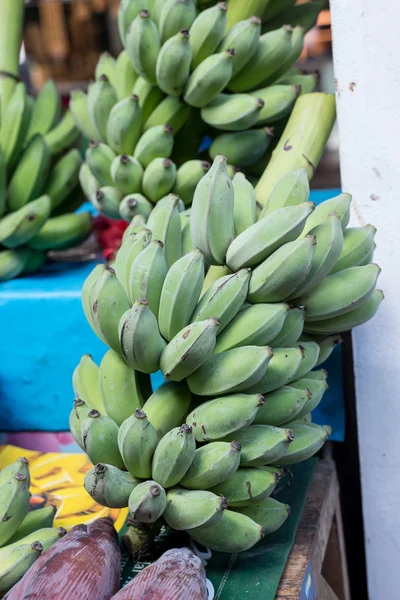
(236, 306)
(187, 71)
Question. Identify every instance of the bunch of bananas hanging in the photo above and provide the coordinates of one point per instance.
(39, 190)
(236, 307)
(24, 535)
(182, 75)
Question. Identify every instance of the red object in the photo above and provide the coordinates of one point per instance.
(109, 234)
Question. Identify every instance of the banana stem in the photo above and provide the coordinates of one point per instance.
(238, 10)
(138, 541)
(11, 19)
(302, 143)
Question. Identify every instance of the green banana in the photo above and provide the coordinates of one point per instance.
(159, 178)
(150, 96)
(85, 382)
(108, 303)
(273, 48)
(220, 417)
(206, 32)
(63, 135)
(63, 177)
(244, 202)
(283, 367)
(133, 205)
(168, 406)
(35, 259)
(147, 502)
(358, 246)
(147, 275)
(99, 157)
(63, 232)
(209, 78)
(14, 126)
(140, 338)
(46, 110)
(12, 263)
(267, 236)
(282, 272)
(291, 190)
(340, 205)
(192, 509)
(165, 224)
(173, 64)
(156, 142)
(223, 299)
(29, 176)
(99, 436)
(15, 496)
(127, 13)
(173, 456)
(15, 562)
(296, 48)
(78, 414)
(20, 226)
(127, 253)
(172, 111)
(242, 148)
(188, 176)
(143, 46)
(364, 311)
(100, 100)
(175, 16)
(86, 289)
(125, 75)
(278, 102)
(211, 223)
(247, 485)
(261, 445)
(253, 326)
(310, 358)
(220, 374)
(3, 183)
(21, 465)
(126, 173)
(269, 513)
(124, 125)
(291, 330)
(234, 533)
(108, 200)
(244, 37)
(308, 439)
(180, 293)
(326, 347)
(135, 226)
(80, 113)
(340, 293)
(33, 522)
(106, 65)
(282, 406)
(232, 112)
(137, 441)
(109, 486)
(212, 464)
(87, 181)
(308, 82)
(187, 244)
(317, 389)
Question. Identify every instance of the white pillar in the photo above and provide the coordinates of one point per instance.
(366, 47)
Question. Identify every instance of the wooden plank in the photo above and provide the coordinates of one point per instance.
(334, 568)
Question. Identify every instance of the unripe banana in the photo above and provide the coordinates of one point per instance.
(99, 158)
(308, 82)
(280, 274)
(15, 562)
(21, 466)
(292, 189)
(283, 367)
(188, 176)
(126, 173)
(296, 48)
(267, 236)
(261, 444)
(120, 387)
(159, 178)
(129, 250)
(133, 205)
(135, 226)
(137, 441)
(63, 232)
(232, 112)
(156, 142)
(291, 330)
(326, 346)
(78, 414)
(175, 16)
(143, 46)
(273, 48)
(20, 226)
(282, 406)
(340, 205)
(247, 485)
(234, 533)
(206, 32)
(317, 389)
(308, 439)
(127, 13)
(172, 110)
(99, 436)
(63, 177)
(363, 313)
(211, 224)
(358, 245)
(107, 200)
(223, 416)
(341, 292)
(242, 148)
(101, 98)
(14, 506)
(173, 456)
(165, 224)
(78, 105)
(147, 502)
(90, 280)
(187, 509)
(187, 244)
(244, 37)
(147, 275)
(125, 76)
(173, 64)
(310, 358)
(209, 78)
(244, 206)
(168, 406)
(320, 375)
(278, 102)
(85, 382)
(14, 126)
(41, 518)
(46, 110)
(124, 125)
(269, 513)
(88, 182)
(232, 371)
(109, 486)
(212, 464)
(253, 326)
(150, 96)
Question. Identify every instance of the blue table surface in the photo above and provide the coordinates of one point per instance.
(44, 333)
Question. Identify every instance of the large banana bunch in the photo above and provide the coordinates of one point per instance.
(237, 309)
(24, 535)
(39, 187)
(184, 72)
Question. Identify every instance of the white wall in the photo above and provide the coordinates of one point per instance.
(366, 40)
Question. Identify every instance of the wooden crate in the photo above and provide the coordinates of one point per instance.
(316, 568)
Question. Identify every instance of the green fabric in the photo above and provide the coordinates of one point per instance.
(254, 574)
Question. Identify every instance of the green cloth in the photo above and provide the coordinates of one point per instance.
(255, 574)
